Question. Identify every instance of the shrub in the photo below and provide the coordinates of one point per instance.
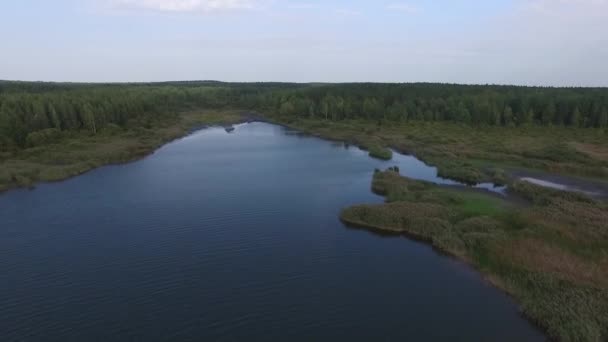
(380, 153)
(43, 137)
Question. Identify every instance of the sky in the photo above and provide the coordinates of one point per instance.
(523, 42)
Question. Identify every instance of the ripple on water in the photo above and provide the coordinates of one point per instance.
(231, 237)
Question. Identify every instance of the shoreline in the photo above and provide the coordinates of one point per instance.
(462, 259)
(404, 214)
(185, 129)
(185, 126)
(489, 279)
(575, 183)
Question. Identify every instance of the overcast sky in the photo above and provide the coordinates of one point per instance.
(527, 42)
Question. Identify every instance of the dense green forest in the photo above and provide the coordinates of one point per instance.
(490, 105)
(36, 113)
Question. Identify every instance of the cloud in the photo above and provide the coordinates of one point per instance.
(403, 7)
(183, 5)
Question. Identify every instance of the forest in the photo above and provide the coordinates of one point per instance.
(38, 113)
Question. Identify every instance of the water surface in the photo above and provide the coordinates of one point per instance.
(413, 167)
(225, 237)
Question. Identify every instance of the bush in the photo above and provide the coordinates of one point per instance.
(380, 153)
(43, 137)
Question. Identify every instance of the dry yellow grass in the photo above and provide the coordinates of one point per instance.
(538, 255)
(599, 152)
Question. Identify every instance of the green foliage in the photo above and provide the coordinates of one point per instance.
(488, 105)
(507, 117)
(478, 205)
(380, 152)
(30, 107)
(43, 137)
(548, 114)
(603, 118)
(575, 118)
(460, 170)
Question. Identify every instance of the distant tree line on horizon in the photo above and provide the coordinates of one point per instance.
(33, 113)
(485, 105)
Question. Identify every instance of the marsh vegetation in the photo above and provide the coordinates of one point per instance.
(548, 252)
(477, 154)
(380, 152)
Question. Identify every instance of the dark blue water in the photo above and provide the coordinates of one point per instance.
(230, 237)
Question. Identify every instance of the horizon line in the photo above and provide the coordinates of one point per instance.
(306, 83)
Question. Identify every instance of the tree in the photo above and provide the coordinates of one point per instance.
(287, 108)
(371, 108)
(349, 108)
(325, 107)
(338, 108)
(494, 116)
(462, 113)
(527, 118)
(88, 118)
(507, 116)
(397, 111)
(548, 114)
(603, 118)
(39, 120)
(575, 117)
(5, 126)
(56, 122)
(311, 109)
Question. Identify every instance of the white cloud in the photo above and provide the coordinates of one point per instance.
(184, 5)
(403, 7)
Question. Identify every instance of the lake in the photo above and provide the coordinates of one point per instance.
(232, 236)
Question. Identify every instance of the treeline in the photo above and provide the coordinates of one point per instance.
(37, 113)
(34, 113)
(488, 105)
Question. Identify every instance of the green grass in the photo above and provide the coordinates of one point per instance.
(478, 205)
(549, 254)
(379, 152)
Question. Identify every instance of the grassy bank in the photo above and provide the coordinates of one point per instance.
(476, 154)
(380, 152)
(549, 254)
(74, 153)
